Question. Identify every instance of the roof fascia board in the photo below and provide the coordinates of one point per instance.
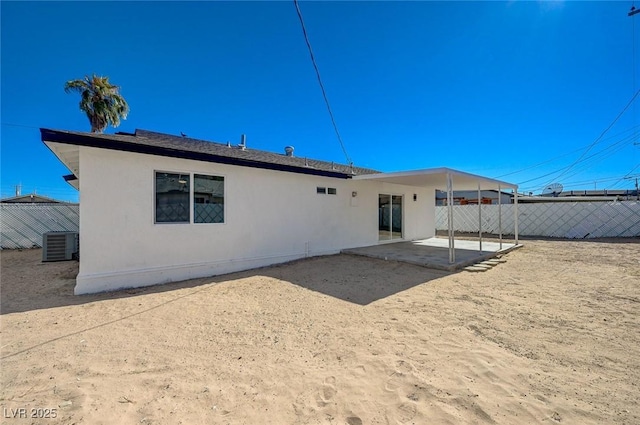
(104, 143)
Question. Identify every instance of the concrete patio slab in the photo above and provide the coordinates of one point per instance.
(434, 252)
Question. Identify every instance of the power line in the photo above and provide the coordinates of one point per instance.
(564, 170)
(596, 159)
(561, 156)
(626, 176)
(616, 146)
(599, 137)
(324, 94)
(577, 184)
(598, 180)
(20, 125)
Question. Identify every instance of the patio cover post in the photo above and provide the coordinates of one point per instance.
(480, 216)
(500, 214)
(452, 253)
(515, 212)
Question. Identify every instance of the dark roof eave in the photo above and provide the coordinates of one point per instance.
(104, 143)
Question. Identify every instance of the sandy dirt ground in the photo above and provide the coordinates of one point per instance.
(552, 336)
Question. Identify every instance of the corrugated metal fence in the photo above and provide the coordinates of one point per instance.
(22, 225)
(575, 220)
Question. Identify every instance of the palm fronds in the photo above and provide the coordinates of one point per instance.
(100, 100)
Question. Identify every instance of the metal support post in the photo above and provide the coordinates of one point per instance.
(452, 251)
(480, 217)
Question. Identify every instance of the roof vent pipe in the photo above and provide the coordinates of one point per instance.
(243, 142)
(288, 150)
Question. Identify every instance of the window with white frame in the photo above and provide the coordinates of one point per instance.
(326, 190)
(175, 197)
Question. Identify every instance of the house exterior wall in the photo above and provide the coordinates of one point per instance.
(270, 217)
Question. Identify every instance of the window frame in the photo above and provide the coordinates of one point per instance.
(155, 197)
(224, 198)
(191, 205)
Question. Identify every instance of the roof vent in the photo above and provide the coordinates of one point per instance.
(243, 142)
(288, 150)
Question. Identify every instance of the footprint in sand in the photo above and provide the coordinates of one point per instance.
(354, 420)
(406, 412)
(393, 383)
(403, 367)
(360, 370)
(327, 392)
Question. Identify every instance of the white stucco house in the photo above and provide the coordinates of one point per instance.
(157, 208)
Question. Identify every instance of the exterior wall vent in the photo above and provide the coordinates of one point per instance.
(60, 246)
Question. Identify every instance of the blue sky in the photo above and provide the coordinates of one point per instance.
(485, 87)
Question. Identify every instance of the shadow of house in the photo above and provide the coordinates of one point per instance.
(357, 280)
(365, 281)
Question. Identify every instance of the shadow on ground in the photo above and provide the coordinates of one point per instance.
(358, 280)
(29, 284)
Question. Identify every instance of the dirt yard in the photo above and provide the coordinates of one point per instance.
(551, 336)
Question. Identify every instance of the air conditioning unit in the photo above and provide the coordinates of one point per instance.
(59, 246)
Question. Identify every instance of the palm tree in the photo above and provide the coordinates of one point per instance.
(100, 100)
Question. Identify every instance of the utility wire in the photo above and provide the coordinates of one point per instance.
(598, 138)
(617, 145)
(617, 148)
(591, 181)
(560, 156)
(324, 93)
(19, 125)
(626, 176)
(566, 169)
(596, 160)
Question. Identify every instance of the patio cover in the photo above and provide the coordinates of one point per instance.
(438, 177)
(448, 180)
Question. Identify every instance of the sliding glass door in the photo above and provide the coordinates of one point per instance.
(389, 217)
